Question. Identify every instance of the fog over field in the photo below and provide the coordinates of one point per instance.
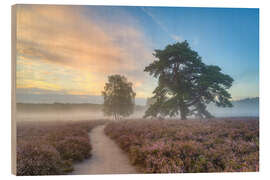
(75, 112)
(65, 112)
(58, 112)
(245, 108)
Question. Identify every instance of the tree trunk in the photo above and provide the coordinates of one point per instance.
(183, 116)
(182, 108)
(182, 112)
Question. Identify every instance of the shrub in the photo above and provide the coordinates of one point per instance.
(37, 159)
(217, 145)
(74, 148)
(50, 148)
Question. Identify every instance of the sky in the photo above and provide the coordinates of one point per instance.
(66, 53)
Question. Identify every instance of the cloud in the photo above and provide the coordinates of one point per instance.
(161, 25)
(176, 37)
(63, 48)
(63, 35)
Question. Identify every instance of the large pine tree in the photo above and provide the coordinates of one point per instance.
(185, 84)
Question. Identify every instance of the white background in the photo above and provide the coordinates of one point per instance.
(5, 85)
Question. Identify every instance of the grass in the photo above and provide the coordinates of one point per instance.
(51, 148)
(175, 146)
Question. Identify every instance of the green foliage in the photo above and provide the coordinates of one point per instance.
(149, 102)
(119, 98)
(186, 84)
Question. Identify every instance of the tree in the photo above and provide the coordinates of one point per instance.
(119, 98)
(185, 84)
(149, 102)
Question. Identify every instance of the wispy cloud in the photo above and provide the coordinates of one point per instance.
(161, 25)
(60, 48)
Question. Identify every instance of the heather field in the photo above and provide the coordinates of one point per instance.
(175, 146)
(51, 148)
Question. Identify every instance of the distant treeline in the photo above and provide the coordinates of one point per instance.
(36, 107)
(247, 101)
(244, 107)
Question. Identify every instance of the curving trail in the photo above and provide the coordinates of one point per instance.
(107, 157)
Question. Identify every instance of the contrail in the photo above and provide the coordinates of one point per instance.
(158, 22)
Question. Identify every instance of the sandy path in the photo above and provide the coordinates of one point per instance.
(107, 157)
